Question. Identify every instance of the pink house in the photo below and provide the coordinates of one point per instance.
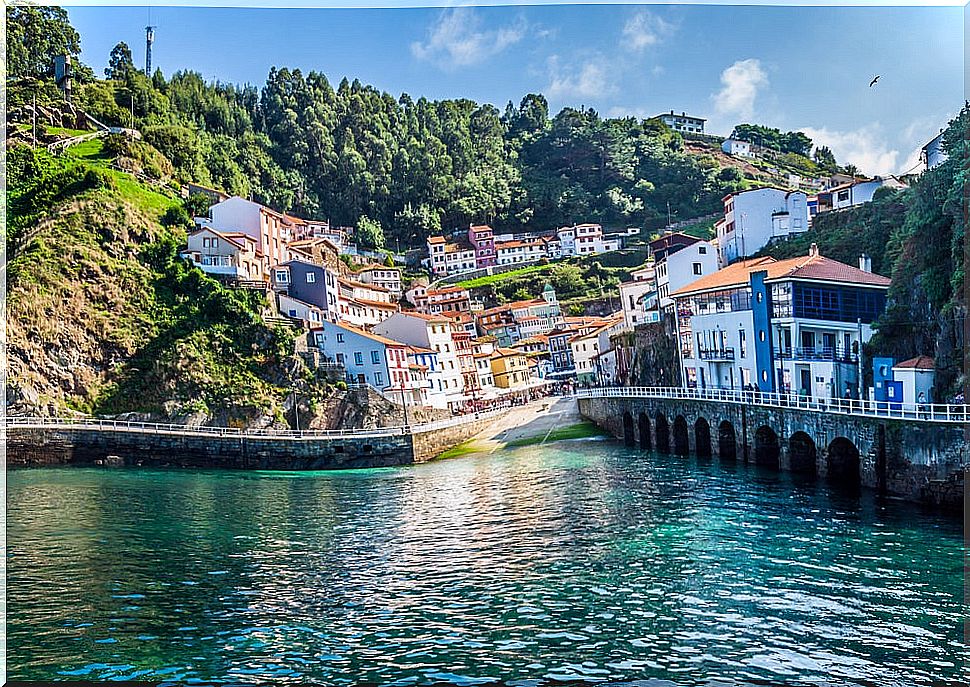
(483, 241)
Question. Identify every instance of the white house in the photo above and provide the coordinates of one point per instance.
(754, 218)
(271, 229)
(587, 347)
(681, 267)
(381, 275)
(917, 376)
(431, 332)
(683, 122)
(638, 297)
(520, 251)
(858, 192)
(737, 148)
(231, 255)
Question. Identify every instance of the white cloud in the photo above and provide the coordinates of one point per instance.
(643, 30)
(621, 111)
(591, 79)
(458, 39)
(865, 148)
(741, 83)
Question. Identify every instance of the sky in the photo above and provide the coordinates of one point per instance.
(794, 68)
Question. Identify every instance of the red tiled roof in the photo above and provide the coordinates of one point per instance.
(920, 362)
(436, 239)
(812, 267)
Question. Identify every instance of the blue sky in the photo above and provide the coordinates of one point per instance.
(805, 68)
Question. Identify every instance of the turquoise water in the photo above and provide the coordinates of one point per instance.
(579, 561)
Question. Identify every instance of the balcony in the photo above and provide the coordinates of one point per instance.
(838, 354)
(724, 355)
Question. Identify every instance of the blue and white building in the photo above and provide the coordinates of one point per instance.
(754, 218)
(786, 326)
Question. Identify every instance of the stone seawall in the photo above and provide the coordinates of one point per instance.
(915, 460)
(47, 446)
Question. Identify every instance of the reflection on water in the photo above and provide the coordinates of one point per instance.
(580, 561)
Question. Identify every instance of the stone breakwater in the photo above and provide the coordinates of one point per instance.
(915, 460)
(87, 445)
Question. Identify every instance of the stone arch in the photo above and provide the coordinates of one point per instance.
(702, 438)
(766, 447)
(629, 438)
(644, 426)
(663, 434)
(843, 463)
(727, 441)
(802, 454)
(681, 439)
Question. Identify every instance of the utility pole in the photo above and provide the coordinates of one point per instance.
(668, 216)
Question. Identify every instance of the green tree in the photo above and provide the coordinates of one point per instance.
(119, 62)
(369, 233)
(35, 36)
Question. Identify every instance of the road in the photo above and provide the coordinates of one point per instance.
(535, 419)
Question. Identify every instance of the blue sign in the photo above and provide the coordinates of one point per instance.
(894, 394)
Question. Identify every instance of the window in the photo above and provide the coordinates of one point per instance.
(378, 379)
(358, 358)
(310, 277)
(340, 358)
(340, 337)
(743, 342)
(702, 250)
(698, 268)
(375, 357)
(282, 276)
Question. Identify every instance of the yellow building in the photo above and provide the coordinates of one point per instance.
(510, 368)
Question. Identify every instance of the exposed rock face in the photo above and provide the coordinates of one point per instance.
(652, 352)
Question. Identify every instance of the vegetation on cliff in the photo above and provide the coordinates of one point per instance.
(103, 316)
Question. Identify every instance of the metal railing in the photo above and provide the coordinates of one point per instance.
(132, 427)
(928, 412)
(717, 355)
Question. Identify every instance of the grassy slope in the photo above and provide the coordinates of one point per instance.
(94, 325)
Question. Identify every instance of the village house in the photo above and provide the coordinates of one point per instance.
(482, 239)
(754, 218)
(482, 349)
(679, 268)
(683, 122)
(446, 257)
(510, 368)
(638, 297)
(309, 289)
(388, 278)
(320, 251)
(433, 301)
(587, 347)
(736, 148)
(364, 305)
(855, 192)
(368, 358)
(271, 229)
(230, 256)
(520, 251)
(788, 326)
(432, 332)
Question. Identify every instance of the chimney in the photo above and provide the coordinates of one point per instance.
(813, 250)
(865, 263)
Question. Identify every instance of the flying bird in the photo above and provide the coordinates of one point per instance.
(873, 82)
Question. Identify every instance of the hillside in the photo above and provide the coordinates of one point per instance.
(103, 317)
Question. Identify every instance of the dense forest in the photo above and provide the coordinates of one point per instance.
(412, 165)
